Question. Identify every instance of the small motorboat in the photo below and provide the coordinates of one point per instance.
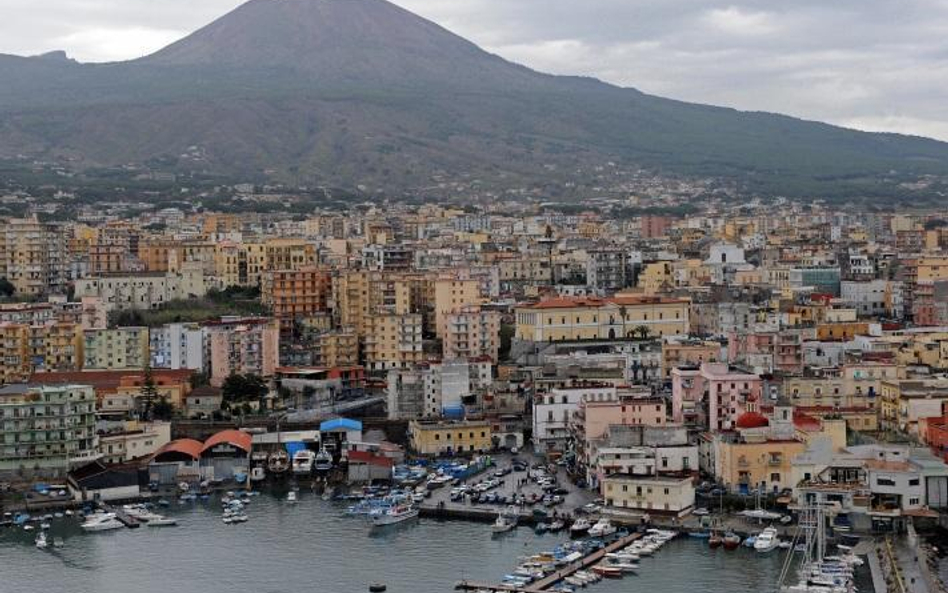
(602, 528)
(41, 542)
(767, 541)
(292, 497)
(579, 527)
(607, 571)
(731, 540)
(715, 540)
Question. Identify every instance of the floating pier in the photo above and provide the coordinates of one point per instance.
(556, 576)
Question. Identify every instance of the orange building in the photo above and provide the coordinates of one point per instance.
(297, 293)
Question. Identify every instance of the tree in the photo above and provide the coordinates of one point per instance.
(243, 388)
(163, 410)
(199, 379)
(148, 395)
(642, 331)
(623, 313)
(6, 288)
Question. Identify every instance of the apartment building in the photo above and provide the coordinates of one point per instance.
(46, 430)
(177, 346)
(392, 341)
(471, 332)
(293, 294)
(115, 349)
(34, 256)
(241, 346)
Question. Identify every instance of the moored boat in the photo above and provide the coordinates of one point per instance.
(731, 540)
(767, 541)
(397, 514)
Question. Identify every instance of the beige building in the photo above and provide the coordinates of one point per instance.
(33, 256)
(569, 319)
(471, 332)
(393, 341)
(242, 346)
(648, 494)
(116, 349)
(453, 294)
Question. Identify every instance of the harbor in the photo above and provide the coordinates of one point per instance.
(313, 545)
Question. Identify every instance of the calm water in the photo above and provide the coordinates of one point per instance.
(312, 547)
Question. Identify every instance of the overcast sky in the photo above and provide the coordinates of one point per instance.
(869, 64)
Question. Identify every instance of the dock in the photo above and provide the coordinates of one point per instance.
(120, 514)
(554, 577)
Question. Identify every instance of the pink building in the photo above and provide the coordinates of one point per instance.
(715, 387)
(627, 410)
(242, 346)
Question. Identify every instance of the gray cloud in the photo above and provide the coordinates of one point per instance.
(869, 64)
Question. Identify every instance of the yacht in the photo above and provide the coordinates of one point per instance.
(602, 528)
(396, 514)
(579, 527)
(102, 522)
(767, 541)
(303, 462)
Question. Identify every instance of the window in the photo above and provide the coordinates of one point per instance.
(882, 481)
(913, 482)
(913, 501)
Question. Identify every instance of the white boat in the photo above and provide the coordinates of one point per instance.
(102, 522)
(162, 522)
(503, 523)
(767, 541)
(602, 528)
(396, 514)
(41, 542)
(258, 474)
(303, 462)
(323, 462)
(292, 497)
(579, 527)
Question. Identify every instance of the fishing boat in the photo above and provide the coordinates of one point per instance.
(397, 514)
(767, 541)
(101, 522)
(715, 540)
(278, 463)
(731, 541)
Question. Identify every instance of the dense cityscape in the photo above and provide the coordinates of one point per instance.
(319, 295)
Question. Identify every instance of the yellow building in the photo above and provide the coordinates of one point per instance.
(657, 277)
(392, 341)
(570, 319)
(436, 438)
(451, 295)
(25, 349)
(688, 353)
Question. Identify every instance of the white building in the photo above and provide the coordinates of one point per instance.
(177, 346)
(552, 412)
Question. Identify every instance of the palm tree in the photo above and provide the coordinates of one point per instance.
(622, 313)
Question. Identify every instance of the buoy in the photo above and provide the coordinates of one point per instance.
(377, 588)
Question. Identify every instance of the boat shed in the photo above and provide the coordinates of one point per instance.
(178, 461)
(225, 454)
(337, 433)
(97, 482)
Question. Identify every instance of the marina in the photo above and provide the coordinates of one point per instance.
(343, 554)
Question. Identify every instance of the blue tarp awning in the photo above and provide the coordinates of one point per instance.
(294, 447)
(340, 424)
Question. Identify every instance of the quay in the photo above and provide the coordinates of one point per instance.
(553, 578)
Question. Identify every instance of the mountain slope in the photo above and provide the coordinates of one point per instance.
(354, 92)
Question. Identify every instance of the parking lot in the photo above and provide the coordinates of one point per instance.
(519, 480)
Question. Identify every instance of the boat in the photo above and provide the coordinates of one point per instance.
(397, 514)
(767, 541)
(731, 541)
(323, 461)
(102, 522)
(303, 462)
(579, 527)
(162, 522)
(292, 497)
(59, 542)
(607, 571)
(41, 542)
(278, 462)
(602, 528)
(715, 540)
(556, 526)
